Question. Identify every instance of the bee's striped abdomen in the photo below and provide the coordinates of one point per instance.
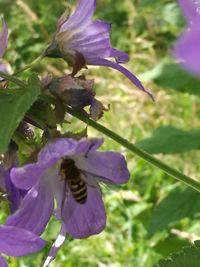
(72, 175)
(79, 190)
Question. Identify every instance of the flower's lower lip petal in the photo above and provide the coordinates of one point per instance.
(15, 241)
(35, 210)
(127, 73)
(84, 220)
(187, 49)
(56, 246)
(111, 166)
(2, 262)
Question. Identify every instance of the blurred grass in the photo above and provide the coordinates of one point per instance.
(146, 30)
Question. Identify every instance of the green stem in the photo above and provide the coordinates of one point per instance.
(29, 66)
(13, 79)
(144, 155)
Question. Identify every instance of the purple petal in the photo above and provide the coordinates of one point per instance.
(84, 220)
(35, 210)
(3, 67)
(56, 246)
(191, 10)
(3, 38)
(120, 56)
(67, 147)
(127, 73)
(19, 242)
(82, 16)
(2, 262)
(187, 49)
(27, 176)
(110, 166)
(14, 196)
(93, 41)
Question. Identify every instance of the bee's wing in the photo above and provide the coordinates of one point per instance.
(66, 194)
(91, 181)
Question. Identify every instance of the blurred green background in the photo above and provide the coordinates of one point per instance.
(143, 225)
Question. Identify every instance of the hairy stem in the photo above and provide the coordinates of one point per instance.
(29, 66)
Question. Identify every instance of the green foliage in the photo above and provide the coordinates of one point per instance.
(13, 106)
(171, 75)
(170, 140)
(171, 244)
(177, 205)
(171, 14)
(189, 257)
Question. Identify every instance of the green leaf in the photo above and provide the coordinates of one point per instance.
(171, 140)
(171, 13)
(177, 205)
(171, 75)
(170, 245)
(13, 106)
(189, 257)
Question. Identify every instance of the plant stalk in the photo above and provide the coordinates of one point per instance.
(13, 79)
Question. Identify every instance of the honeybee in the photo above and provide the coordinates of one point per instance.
(72, 175)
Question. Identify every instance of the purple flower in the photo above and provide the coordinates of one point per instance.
(63, 166)
(187, 47)
(3, 44)
(18, 242)
(47, 182)
(81, 41)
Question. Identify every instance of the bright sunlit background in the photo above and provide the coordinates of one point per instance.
(137, 234)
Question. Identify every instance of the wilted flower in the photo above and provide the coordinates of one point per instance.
(77, 93)
(3, 45)
(187, 47)
(81, 41)
(18, 242)
(54, 176)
